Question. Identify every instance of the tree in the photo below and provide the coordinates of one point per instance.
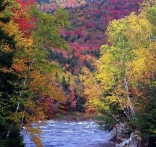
(9, 88)
(20, 89)
(126, 74)
(39, 76)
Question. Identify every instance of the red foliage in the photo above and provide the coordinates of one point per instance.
(26, 24)
(16, 67)
(89, 22)
(72, 99)
(89, 25)
(47, 106)
(72, 3)
(148, 75)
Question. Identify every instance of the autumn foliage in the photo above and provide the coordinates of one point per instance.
(125, 74)
(27, 77)
(102, 63)
(22, 18)
(89, 20)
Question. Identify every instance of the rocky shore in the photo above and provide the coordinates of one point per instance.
(108, 144)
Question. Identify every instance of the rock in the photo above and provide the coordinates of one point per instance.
(133, 141)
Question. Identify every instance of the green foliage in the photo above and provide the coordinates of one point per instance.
(126, 73)
(25, 72)
(146, 117)
(9, 88)
(4, 38)
(106, 122)
(15, 139)
(151, 12)
(48, 28)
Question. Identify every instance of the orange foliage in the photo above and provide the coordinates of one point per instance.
(18, 67)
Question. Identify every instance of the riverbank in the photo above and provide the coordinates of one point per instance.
(75, 116)
(108, 144)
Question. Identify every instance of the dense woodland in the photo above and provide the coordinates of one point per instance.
(95, 57)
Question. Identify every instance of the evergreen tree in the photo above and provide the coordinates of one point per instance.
(7, 86)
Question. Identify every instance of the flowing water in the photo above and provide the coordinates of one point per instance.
(71, 134)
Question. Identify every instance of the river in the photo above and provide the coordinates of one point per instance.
(71, 134)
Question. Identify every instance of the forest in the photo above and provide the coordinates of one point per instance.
(86, 58)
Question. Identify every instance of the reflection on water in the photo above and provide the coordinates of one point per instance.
(70, 134)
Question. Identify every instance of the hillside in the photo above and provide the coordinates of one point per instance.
(89, 20)
(101, 67)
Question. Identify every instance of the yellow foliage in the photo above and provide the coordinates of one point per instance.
(95, 103)
(5, 47)
(12, 29)
(116, 29)
(139, 24)
(138, 30)
(142, 64)
(111, 99)
(46, 85)
(92, 91)
(129, 59)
